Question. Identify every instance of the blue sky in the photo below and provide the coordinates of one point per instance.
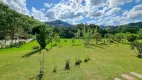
(100, 12)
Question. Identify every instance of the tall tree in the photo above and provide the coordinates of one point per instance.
(44, 36)
(97, 36)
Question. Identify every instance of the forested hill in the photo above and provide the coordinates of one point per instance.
(14, 24)
(138, 24)
(59, 23)
(131, 27)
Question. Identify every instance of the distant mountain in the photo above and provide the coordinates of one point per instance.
(138, 24)
(59, 23)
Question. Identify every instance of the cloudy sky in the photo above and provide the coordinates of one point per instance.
(101, 12)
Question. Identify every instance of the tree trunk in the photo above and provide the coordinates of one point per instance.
(96, 41)
(51, 44)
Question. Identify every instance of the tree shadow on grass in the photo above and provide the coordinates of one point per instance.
(98, 45)
(38, 77)
(31, 53)
(88, 46)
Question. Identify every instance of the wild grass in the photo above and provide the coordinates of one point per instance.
(107, 62)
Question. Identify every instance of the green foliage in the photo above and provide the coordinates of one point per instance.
(119, 37)
(87, 59)
(44, 36)
(35, 47)
(55, 69)
(65, 40)
(140, 33)
(13, 23)
(132, 37)
(57, 38)
(132, 46)
(67, 65)
(138, 45)
(110, 37)
(97, 36)
(78, 62)
(87, 35)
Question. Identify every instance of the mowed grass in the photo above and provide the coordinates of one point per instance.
(107, 62)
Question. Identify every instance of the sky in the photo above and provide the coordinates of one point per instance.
(100, 12)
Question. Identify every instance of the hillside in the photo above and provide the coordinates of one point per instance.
(138, 24)
(15, 25)
(59, 23)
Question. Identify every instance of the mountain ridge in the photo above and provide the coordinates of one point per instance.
(59, 23)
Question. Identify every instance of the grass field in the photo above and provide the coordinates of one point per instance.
(107, 62)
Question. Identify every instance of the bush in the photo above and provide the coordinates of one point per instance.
(54, 45)
(73, 40)
(35, 47)
(17, 45)
(119, 37)
(87, 59)
(21, 42)
(78, 62)
(7, 46)
(138, 45)
(132, 46)
(55, 69)
(65, 40)
(67, 65)
(132, 37)
(12, 45)
(60, 46)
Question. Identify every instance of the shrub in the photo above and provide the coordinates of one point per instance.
(35, 47)
(73, 40)
(6, 46)
(55, 69)
(21, 42)
(132, 46)
(65, 40)
(119, 37)
(87, 59)
(54, 45)
(132, 37)
(138, 45)
(78, 62)
(67, 65)
(60, 46)
(12, 45)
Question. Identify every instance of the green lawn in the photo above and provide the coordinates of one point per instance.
(107, 62)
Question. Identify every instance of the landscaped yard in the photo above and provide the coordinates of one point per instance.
(107, 62)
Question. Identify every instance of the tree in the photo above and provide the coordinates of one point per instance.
(140, 33)
(56, 38)
(97, 36)
(138, 46)
(110, 37)
(44, 36)
(87, 35)
(119, 37)
(78, 34)
(132, 37)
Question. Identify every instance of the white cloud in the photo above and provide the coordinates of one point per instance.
(18, 5)
(102, 12)
(39, 15)
(137, 1)
(48, 5)
(134, 13)
(42, 9)
(94, 13)
(113, 11)
(115, 3)
(94, 2)
(51, 15)
(66, 11)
